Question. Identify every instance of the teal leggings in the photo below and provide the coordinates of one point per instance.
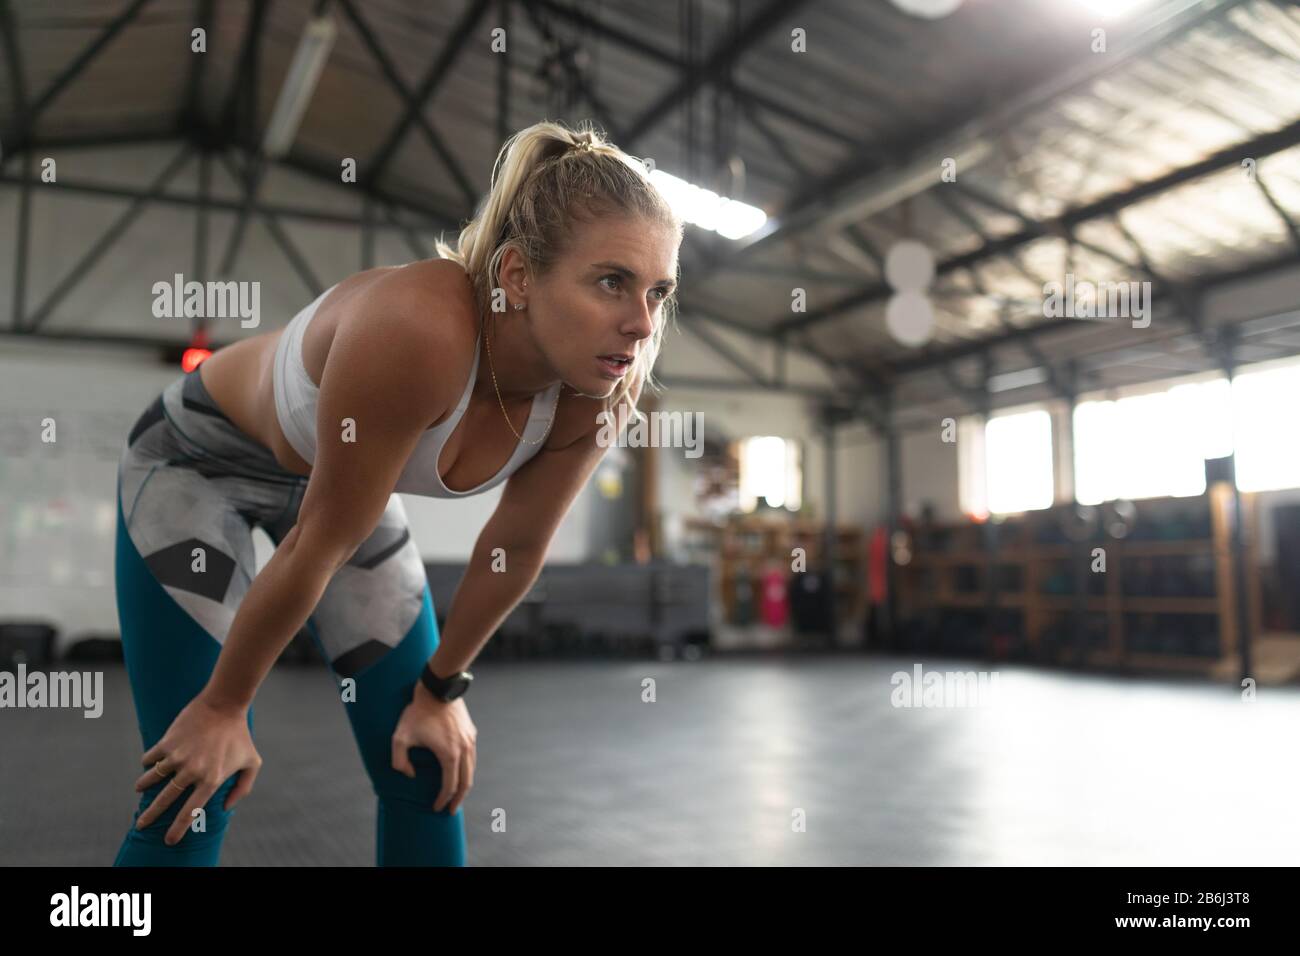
(172, 618)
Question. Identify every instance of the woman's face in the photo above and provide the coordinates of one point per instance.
(601, 299)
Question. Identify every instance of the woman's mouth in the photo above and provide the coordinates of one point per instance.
(614, 366)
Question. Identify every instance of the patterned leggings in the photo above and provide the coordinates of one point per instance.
(190, 489)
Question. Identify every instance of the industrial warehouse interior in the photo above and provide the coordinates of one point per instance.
(959, 524)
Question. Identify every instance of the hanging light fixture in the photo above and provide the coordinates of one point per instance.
(928, 9)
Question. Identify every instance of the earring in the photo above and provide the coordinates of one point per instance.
(518, 306)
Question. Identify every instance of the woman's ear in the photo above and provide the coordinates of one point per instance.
(513, 276)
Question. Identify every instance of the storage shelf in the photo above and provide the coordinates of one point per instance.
(1155, 548)
(752, 544)
(925, 582)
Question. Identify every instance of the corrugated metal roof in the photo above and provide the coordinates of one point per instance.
(873, 89)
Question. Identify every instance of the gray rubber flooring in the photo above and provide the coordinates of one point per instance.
(738, 761)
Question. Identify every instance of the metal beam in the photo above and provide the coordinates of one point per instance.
(201, 226)
(190, 110)
(245, 84)
(814, 201)
(1187, 302)
(82, 141)
(412, 105)
(933, 358)
(976, 399)
(1282, 214)
(81, 61)
(604, 115)
(636, 44)
(367, 232)
(860, 240)
(272, 222)
(724, 385)
(737, 361)
(864, 387)
(413, 241)
(191, 201)
(503, 76)
(798, 272)
(434, 218)
(24, 239)
(415, 105)
(947, 197)
(14, 64)
(18, 92)
(293, 254)
(718, 62)
(1030, 347)
(778, 145)
(247, 62)
(1258, 148)
(105, 241)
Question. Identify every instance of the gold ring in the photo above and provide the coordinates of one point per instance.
(159, 772)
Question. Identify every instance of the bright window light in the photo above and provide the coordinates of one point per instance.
(708, 210)
(1150, 446)
(1268, 455)
(972, 473)
(1018, 462)
(769, 469)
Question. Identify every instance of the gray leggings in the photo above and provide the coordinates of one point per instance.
(191, 487)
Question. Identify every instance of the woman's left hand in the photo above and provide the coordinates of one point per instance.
(444, 728)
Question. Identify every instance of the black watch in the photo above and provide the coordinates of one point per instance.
(445, 688)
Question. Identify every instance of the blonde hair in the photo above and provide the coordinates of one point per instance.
(546, 178)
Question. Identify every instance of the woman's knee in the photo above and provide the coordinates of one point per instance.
(207, 824)
(419, 792)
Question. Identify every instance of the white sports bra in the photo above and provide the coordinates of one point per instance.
(295, 407)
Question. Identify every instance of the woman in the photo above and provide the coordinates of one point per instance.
(375, 388)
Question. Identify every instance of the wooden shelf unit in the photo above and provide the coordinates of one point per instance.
(1020, 551)
(753, 542)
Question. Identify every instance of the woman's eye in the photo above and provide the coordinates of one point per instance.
(612, 278)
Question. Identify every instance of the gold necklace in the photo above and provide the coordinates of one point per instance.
(488, 342)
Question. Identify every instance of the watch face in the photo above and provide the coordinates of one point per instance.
(458, 687)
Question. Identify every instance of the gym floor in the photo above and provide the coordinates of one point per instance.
(1052, 769)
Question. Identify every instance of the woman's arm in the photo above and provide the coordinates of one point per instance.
(277, 604)
(535, 500)
(391, 404)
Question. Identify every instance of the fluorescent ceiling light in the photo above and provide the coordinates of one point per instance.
(929, 9)
(299, 85)
(708, 210)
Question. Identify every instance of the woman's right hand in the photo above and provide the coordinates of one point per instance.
(203, 747)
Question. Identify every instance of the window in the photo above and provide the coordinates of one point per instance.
(1268, 454)
(1149, 446)
(1006, 466)
(769, 469)
(1142, 446)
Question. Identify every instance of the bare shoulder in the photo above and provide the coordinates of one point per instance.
(421, 318)
(434, 295)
